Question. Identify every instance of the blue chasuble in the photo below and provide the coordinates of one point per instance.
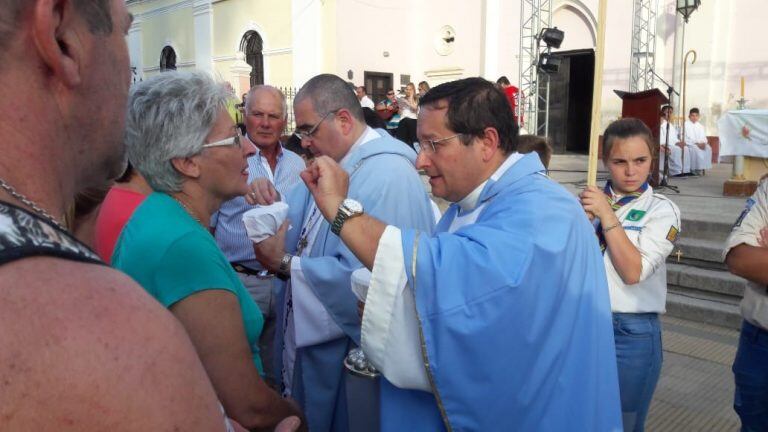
(383, 178)
(515, 316)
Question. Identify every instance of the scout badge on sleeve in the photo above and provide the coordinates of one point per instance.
(672, 234)
(747, 208)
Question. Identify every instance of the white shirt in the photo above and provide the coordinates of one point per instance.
(405, 109)
(694, 133)
(366, 102)
(652, 223)
(674, 136)
(308, 323)
(390, 330)
(754, 306)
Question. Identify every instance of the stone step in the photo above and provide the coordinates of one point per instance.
(705, 310)
(705, 229)
(699, 253)
(711, 281)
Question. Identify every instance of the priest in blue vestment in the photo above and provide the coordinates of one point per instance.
(317, 319)
(500, 320)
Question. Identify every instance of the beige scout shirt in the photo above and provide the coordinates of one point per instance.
(754, 306)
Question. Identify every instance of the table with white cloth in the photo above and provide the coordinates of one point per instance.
(745, 133)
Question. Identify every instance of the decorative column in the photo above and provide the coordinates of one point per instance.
(491, 18)
(135, 50)
(306, 27)
(241, 74)
(203, 19)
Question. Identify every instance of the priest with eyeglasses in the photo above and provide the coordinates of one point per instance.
(500, 320)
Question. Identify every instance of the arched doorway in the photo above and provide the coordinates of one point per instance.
(167, 59)
(253, 46)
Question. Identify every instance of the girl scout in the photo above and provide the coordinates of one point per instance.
(636, 229)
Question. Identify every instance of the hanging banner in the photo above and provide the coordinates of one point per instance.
(744, 133)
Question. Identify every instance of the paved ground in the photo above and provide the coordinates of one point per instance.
(695, 392)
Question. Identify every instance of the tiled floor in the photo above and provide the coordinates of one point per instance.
(695, 392)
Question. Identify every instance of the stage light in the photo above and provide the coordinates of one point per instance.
(552, 37)
(549, 64)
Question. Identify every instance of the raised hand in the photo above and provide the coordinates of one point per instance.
(328, 183)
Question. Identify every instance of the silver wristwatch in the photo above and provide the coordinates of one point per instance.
(284, 271)
(349, 208)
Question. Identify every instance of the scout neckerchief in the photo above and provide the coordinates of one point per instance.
(616, 205)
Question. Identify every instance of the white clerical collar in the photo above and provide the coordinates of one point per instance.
(368, 135)
(469, 202)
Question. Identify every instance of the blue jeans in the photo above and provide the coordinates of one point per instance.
(638, 354)
(750, 371)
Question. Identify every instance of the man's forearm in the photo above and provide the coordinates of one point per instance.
(361, 234)
(749, 262)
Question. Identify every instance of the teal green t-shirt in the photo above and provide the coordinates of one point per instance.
(172, 256)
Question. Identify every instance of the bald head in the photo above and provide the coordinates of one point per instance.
(266, 113)
(269, 91)
(328, 93)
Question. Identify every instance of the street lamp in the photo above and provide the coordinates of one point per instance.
(686, 7)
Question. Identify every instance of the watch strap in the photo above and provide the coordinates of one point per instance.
(285, 266)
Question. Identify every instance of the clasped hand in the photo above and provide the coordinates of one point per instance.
(595, 203)
(328, 183)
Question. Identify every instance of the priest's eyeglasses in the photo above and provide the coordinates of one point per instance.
(302, 135)
(233, 141)
(430, 146)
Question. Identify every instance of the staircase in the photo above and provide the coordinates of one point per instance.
(700, 288)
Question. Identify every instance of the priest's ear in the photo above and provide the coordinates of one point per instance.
(489, 142)
(345, 120)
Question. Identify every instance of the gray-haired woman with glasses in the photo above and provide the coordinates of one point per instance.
(184, 142)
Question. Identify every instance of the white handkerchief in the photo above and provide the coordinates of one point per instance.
(361, 278)
(264, 221)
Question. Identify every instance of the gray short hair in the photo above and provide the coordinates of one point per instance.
(330, 93)
(277, 91)
(169, 116)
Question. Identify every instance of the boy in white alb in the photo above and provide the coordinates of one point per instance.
(696, 140)
(680, 159)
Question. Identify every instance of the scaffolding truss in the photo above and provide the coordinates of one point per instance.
(643, 45)
(533, 97)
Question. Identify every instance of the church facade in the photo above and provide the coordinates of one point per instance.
(388, 43)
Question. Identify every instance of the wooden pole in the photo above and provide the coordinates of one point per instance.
(597, 93)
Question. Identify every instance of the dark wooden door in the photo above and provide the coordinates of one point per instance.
(377, 84)
(570, 101)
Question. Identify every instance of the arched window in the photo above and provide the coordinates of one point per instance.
(252, 45)
(167, 59)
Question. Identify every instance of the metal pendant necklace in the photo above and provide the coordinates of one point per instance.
(31, 204)
(188, 210)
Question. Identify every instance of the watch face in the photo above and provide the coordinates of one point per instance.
(353, 206)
